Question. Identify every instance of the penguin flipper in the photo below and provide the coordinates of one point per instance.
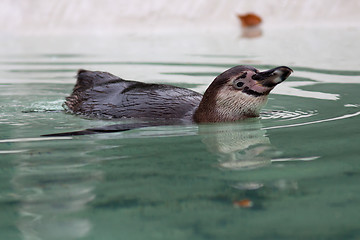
(105, 129)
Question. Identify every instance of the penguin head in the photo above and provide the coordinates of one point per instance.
(238, 93)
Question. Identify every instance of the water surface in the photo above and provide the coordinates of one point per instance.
(298, 165)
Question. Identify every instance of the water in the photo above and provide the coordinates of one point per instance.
(297, 167)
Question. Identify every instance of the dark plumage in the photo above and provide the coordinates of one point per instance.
(103, 95)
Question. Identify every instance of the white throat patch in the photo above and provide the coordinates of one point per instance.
(233, 105)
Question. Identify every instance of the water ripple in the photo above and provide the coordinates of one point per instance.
(295, 159)
(33, 139)
(288, 115)
(315, 122)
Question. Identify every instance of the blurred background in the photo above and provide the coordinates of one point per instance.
(111, 16)
(297, 166)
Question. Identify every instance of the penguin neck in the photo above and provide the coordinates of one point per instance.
(227, 106)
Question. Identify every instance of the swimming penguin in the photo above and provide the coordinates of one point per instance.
(238, 93)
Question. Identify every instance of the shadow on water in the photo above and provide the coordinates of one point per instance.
(56, 193)
(51, 190)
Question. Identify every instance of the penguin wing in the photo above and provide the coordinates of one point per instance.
(106, 129)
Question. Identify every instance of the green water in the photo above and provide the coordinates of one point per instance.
(298, 164)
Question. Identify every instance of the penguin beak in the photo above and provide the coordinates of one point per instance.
(272, 77)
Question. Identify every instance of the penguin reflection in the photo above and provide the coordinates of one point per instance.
(238, 145)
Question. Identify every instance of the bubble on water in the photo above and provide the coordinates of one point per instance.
(248, 185)
(50, 106)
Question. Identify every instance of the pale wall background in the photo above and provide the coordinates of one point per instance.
(119, 16)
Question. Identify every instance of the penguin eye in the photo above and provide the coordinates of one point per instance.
(238, 84)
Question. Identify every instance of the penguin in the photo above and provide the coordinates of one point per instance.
(236, 94)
